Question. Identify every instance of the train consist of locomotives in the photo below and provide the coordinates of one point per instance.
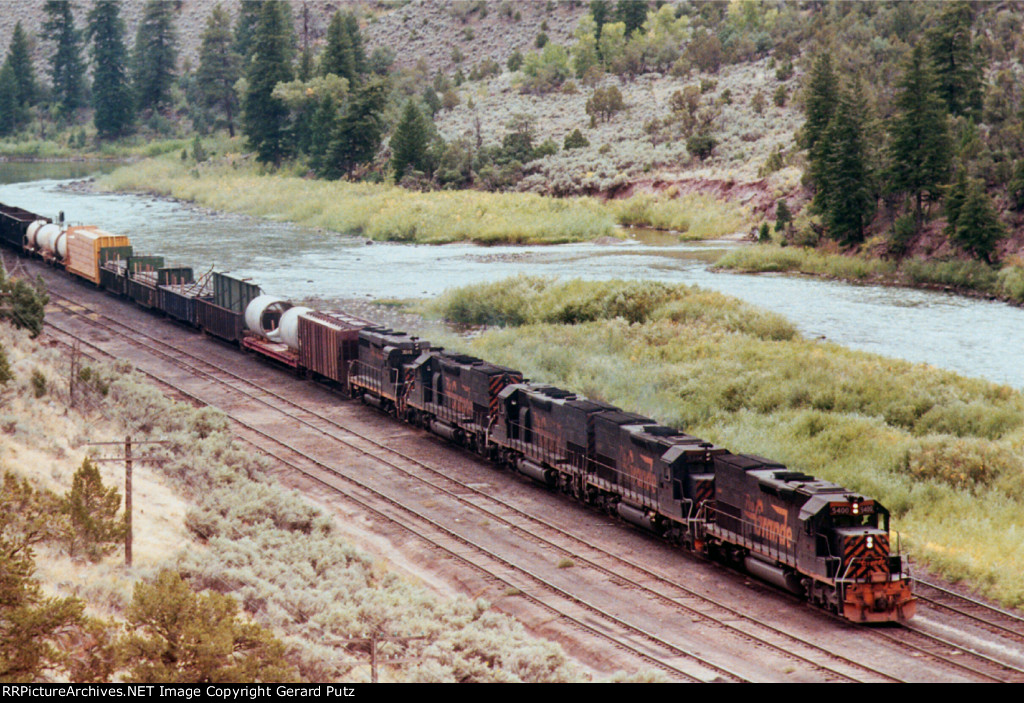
(811, 537)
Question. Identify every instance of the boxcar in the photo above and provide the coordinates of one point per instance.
(84, 246)
(329, 343)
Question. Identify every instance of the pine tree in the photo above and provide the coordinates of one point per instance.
(358, 133)
(978, 228)
(266, 117)
(219, 66)
(32, 626)
(178, 636)
(633, 13)
(339, 55)
(820, 100)
(67, 69)
(155, 56)
(91, 511)
(245, 29)
(845, 196)
(955, 200)
(957, 60)
(22, 303)
(355, 40)
(11, 113)
(111, 92)
(19, 56)
(409, 142)
(1015, 187)
(920, 149)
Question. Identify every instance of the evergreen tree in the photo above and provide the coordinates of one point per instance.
(219, 66)
(155, 56)
(955, 200)
(845, 196)
(19, 56)
(956, 59)
(339, 55)
(91, 511)
(245, 30)
(22, 303)
(633, 13)
(11, 112)
(601, 11)
(358, 133)
(178, 636)
(111, 92)
(324, 119)
(1015, 187)
(67, 69)
(920, 149)
(820, 99)
(266, 117)
(355, 40)
(409, 142)
(33, 628)
(783, 216)
(978, 228)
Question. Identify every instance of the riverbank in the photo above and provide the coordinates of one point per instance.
(944, 453)
(231, 182)
(963, 277)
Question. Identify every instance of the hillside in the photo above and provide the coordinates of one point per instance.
(731, 76)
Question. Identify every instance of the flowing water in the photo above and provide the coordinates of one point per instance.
(969, 336)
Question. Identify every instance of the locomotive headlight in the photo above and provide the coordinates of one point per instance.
(871, 542)
(856, 508)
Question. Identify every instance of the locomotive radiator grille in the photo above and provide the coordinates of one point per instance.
(866, 555)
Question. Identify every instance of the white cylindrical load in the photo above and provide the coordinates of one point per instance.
(54, 240)
(263, 315)
(32, 231)
(290, 327)
(51, 239)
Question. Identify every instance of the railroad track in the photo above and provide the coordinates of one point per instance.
(831, 665)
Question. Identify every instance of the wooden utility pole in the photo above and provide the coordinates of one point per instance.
(128, 460)
(128, 500)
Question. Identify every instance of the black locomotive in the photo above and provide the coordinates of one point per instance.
(811, 537)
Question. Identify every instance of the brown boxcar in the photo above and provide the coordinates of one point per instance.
(329, 342)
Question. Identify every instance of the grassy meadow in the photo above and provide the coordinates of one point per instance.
(387, 213)
(944, 453)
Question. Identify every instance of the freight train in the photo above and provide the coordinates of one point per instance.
(811, 537)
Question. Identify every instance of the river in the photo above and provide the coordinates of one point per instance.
(970, 336)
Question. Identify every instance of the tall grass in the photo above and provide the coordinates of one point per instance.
(376, 211)
(945, 453)
(693, 216)
(388, 213)
(1006, 282)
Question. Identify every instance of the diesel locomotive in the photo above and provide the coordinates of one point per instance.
(816, 539)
